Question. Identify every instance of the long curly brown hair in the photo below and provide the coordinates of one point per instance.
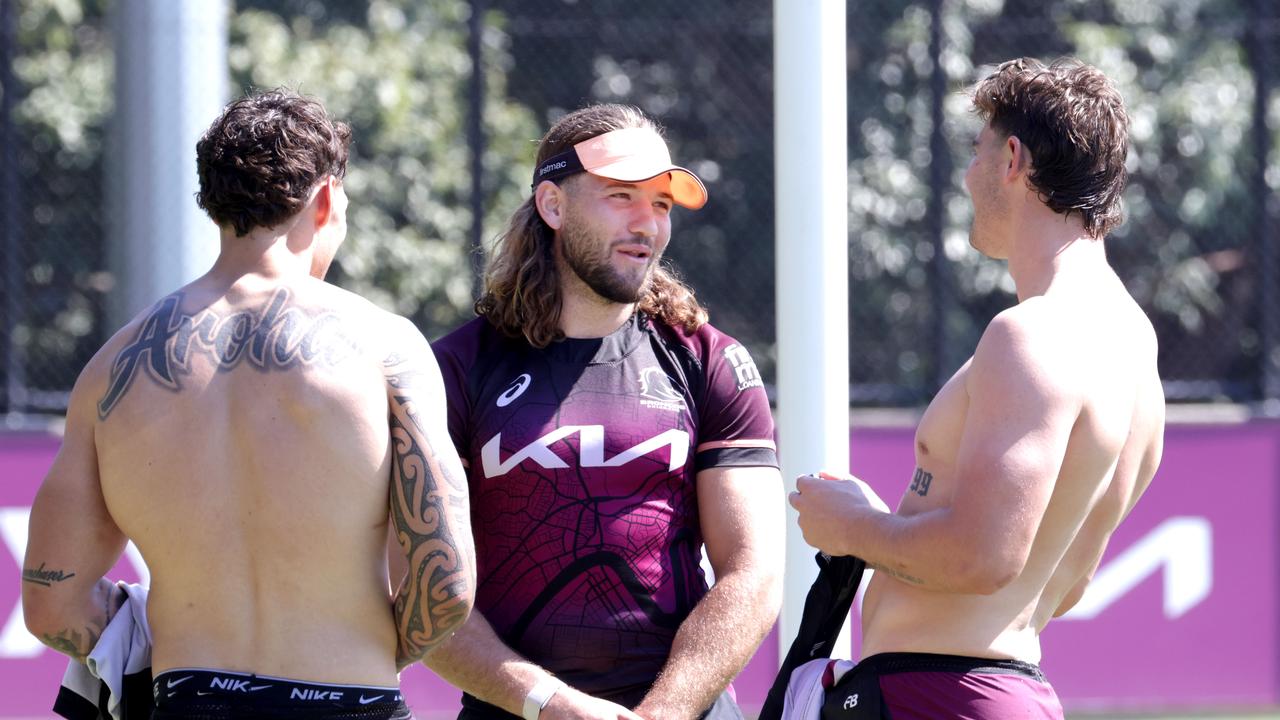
(521, 286)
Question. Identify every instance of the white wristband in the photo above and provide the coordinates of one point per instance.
(539, 696)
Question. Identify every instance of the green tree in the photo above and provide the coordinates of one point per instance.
(399, 75)
(63, 71)
(1185, 250)
(703, 70)
(398, 71)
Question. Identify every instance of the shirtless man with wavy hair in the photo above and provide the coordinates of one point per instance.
(1034, 451)
(259, 434)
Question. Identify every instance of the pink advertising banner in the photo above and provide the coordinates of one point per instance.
(1181, 615)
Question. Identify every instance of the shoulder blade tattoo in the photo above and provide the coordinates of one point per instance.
(278, 337)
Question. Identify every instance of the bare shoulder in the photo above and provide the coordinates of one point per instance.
(1032, 342)
(383, 332)
(147, 331)
(339, 300)
(1023, 327)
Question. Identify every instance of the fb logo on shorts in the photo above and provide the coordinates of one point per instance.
(851, 702)
(516, 390)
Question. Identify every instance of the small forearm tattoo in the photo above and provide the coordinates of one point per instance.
(71, 643)
(41, 576)
(76, 644)
(78, 640)
(921, 481)
(899, 575)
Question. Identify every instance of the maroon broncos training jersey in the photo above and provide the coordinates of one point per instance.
(582, 459)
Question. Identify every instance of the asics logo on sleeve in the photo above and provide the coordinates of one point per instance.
(517, 388)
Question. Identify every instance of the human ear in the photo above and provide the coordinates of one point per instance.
(1019, 157)
(549, 199)
(324, 202)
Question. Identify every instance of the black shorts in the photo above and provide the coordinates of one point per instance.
(219, 695)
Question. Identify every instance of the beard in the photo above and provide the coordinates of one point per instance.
(590, 261)
(989, 212)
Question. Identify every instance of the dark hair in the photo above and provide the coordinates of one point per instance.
(521, 288)
(1072, 119)
(260, 159)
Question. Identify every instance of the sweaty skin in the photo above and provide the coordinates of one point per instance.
(248, 437)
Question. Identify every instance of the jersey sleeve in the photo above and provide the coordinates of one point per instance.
(453, 356)
(735, 425)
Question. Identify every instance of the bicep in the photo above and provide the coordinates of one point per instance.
(430, 514)
(741, 513)
(1015, 436)
(72, 540)
(427, 475)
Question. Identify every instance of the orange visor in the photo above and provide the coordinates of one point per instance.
(629, 155)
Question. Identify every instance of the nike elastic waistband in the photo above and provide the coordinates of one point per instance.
(192, 685)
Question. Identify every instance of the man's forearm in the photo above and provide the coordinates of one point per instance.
(713, 645)
(930, 551)
(73, 629)
(476, 660)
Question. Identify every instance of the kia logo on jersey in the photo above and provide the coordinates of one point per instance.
(591, 450)
(518, 386)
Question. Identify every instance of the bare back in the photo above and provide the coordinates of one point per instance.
(1098, 418)
(243, 444)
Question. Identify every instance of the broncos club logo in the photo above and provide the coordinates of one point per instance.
(656, 390)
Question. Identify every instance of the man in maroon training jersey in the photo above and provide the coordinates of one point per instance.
(608, 432)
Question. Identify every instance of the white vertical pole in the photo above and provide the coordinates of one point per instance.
(171, 82)
(812, 235)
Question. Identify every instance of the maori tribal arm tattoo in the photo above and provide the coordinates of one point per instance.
(429, 511)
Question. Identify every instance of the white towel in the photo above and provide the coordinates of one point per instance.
(808, 686)
(124, 649)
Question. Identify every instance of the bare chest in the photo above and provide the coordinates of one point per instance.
(937, 442)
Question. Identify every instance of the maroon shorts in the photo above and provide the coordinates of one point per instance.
(923, 686)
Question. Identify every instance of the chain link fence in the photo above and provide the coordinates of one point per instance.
(442, 155)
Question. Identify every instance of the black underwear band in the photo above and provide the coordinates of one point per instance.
(898, 662)
(222, 687)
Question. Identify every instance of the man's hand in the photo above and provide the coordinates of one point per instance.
(570, 704)
(828, 504)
